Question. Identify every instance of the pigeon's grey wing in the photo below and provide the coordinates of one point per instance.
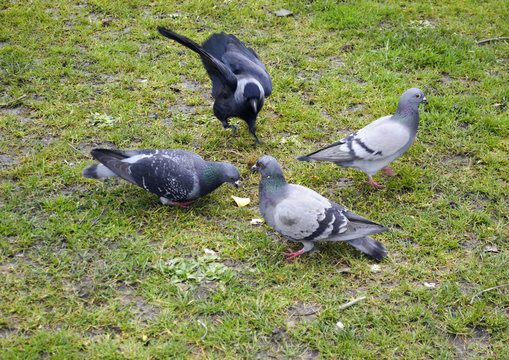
(162, 176)
(380, 139)
(306, 215)
(216, 69)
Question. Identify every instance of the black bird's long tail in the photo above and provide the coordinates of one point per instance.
(369, 246)
(183, 40)
(217, 70)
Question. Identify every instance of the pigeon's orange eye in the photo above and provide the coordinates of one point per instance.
(417, 95)
(261, 165)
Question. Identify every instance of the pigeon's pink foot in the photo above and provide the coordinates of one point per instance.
(290, 255)
(373, 183)
(388, 171)
(182, 204)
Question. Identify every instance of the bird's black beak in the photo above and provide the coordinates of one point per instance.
(424, 101)
(254, 168)
(254, 105)
(237, 183)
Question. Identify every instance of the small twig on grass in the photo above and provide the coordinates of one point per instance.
(485, 290)
(206, 330)
(10, 103)
(74, 148)
(309, 313)
(350, 303)
(486, 41)
(100, 216)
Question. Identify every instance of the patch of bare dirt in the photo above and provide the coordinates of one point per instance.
(475, 346)
(22, 113)
(447, 79)
(142, 310)
(302, 312)
(275, 347)
(8, 160)
(458, 160)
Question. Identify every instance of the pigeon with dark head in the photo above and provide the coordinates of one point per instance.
(301, 214)
(178, 177)
(373, 147)
(240, 82)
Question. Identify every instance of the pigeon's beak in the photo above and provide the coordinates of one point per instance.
(424, 100)
(237, 183)
(254, 168)
(254, 105)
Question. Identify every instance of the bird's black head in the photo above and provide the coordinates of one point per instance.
(254, 96)
(252, 91)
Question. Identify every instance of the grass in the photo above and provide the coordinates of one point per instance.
(95, 269)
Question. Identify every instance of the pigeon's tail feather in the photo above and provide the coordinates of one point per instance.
(97, 171)
(369, 246)
(103, 155)
(304, 158)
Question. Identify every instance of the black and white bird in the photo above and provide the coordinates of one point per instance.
(240, 82)
(178, 177)
(301, 214)
(373, 147)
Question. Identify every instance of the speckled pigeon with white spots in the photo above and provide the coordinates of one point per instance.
(301, 214)
(373, 147)
(178, 177)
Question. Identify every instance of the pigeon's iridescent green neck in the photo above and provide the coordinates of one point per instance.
(273, 183)
(212, 174)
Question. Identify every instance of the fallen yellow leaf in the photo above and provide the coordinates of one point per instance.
(241, 201)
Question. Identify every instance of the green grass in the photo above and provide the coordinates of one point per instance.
(92, 269)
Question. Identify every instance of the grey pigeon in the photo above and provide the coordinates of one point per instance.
(301, 214)
(240, 82)
(373, 147)
(178, 177)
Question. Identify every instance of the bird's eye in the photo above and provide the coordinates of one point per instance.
(417, 95)
(261, 165)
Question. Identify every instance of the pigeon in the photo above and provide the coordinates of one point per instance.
(301, 214)
(240, 81)
(178, 177)
(373, 147)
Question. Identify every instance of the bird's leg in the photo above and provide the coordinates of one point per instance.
(234, 129)
(388, 171)
(184, 204)
(290, 255)
(252, 130)
(227, 125)
(257, 141)
(373, 183)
